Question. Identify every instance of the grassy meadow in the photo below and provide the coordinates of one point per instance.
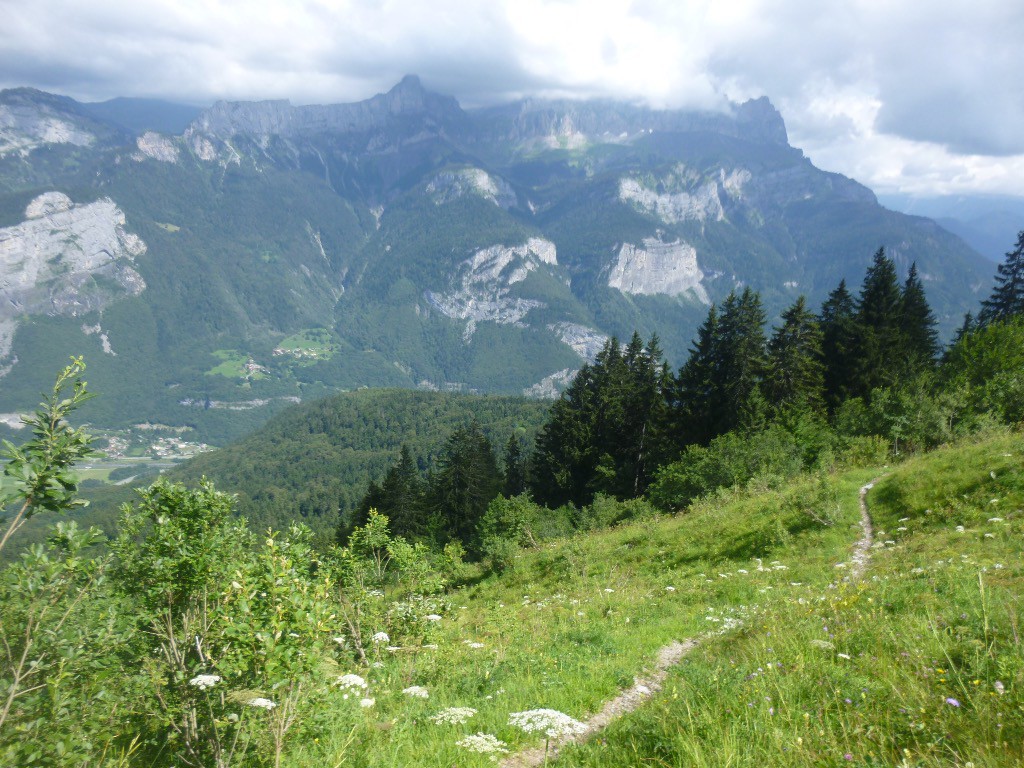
(918, 664)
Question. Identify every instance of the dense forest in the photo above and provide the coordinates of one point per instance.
(187, 638)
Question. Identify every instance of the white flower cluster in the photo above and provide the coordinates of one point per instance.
(261, 703)
(416, 692)
(202, 682)
(432, 617)
(550, 722)
(483, 743)
(381, 637)
(351, 682)
(453, 715)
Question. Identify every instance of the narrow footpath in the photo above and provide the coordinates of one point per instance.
(669, 656)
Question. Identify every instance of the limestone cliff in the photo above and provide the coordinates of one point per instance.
(65, 259)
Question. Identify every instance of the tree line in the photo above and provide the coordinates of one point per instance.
(864, 365)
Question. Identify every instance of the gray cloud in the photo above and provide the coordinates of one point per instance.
(867, 87)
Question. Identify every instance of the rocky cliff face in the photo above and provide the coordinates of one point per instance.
(408, 99)
(483, 290)
(656, 267)
(65, 259)
(28, 121)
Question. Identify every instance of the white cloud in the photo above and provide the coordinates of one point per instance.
(902, 96)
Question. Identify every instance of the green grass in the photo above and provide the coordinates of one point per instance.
(233, 365)
(309, 345)
(795, 666)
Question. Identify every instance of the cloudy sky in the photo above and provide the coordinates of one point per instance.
(914, 96)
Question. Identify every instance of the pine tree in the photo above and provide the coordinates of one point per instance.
(1007, 299)
(917, 325)
(742, 357)
(796, 373)
(402, 497)
(881, 353)
(466, 482)
(838, 344)
(515, 467)
(694, 387)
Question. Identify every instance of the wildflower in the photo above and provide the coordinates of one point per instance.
(432, 617)
(995, 519)
(990, 535)
(606, 589)
(340, 639)
(416, 692)
(1000, 688)
(202, 682)
(550, 722)
(484, 744)
(381, 637)
(952, 702)
(431, 646)
(266, 704)
(843, 656)
(453, 716)
(367, 703)
(351, 682)
(670, 589)
(959, 529)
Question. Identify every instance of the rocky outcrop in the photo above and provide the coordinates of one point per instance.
(49, 264)
(27, 123)
(452, 184)
(485, 281)
(684, 194)
(568, 124)
(585, 342)
(550, 387)
(157, 147)
(280, 118)
(657, 267)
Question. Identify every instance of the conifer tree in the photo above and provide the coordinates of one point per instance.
(742, 357)
(838, 324)
(917, 325)
(402, 497)
(515, 467)
(695, 386)
(466, 482)
(1007, 299)
(881, 353)
(795, 369)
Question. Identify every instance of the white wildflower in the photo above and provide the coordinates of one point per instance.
(351, 682)
(959, 529)
(431, 646)
(381, 637)
(1000, 688)
(550, 722)
(416, 692)
(453, 716)
(995, 519)
(432, 617)
(484, 744)
(340, 639)
(609, 591)
(670, 589)
(843, 656)
(266, 704)
(202, 682)
(367, 703)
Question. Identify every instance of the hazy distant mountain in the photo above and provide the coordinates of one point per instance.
(988, 223)
(268, 253)
(141, 115)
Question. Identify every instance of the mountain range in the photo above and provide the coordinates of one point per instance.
(216, 265)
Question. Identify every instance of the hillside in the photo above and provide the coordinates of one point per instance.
(312, 462)
(798, 661)
(272, 253)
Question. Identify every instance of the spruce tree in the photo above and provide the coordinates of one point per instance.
(796, 373)
(742, 358)
(695, 386)
(402, 497)
(515, 467)
(917, 325)
(881, 353)
(1007, 299)
(467, 481)
(838, 324)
